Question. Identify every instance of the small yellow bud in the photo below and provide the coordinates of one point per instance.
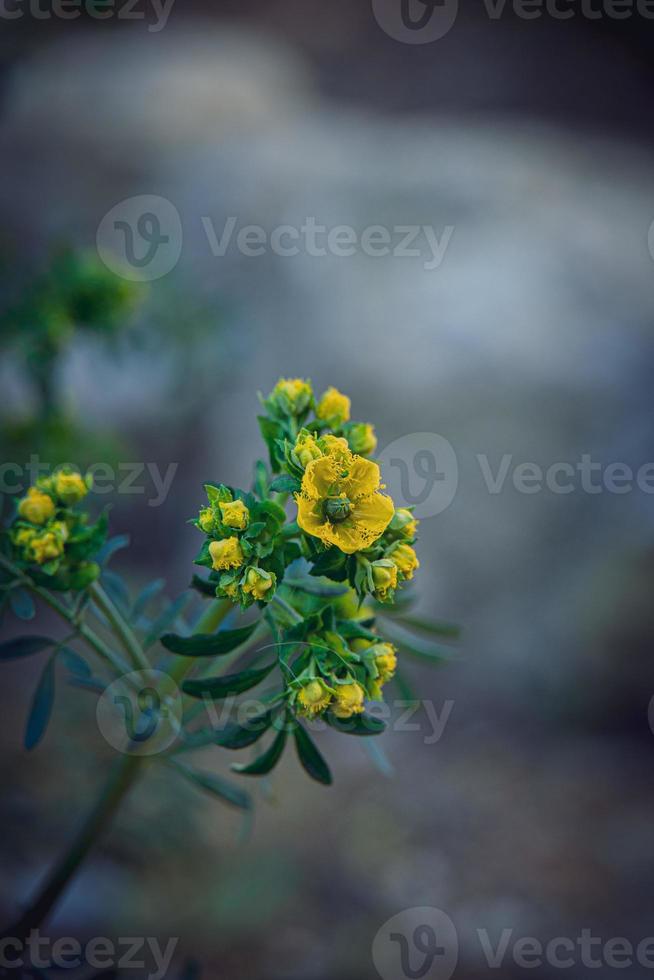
(385, 661)
(333, 406)
(206, 520)
(231, 590)
(335, 446)
(36, 507)
(305, 449)
(406, 560)
(313, 698)
(292, 395)
(226, 554)
(404, 522)
(235, 514)
(362, 439)
(384, 576)
(45, 547)
(259, 584)
(69, 487)
(349, 700)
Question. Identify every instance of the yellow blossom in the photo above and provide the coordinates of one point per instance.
(384, 576)
(206, 520)
(305, 449)
(226, 554)
(231, 590)
(335, 446)
(406, 560)
(385, 661)
(333, 406)
(313, 698)
(36, 507)
(45, 547)
(235, 514)
(349, 700)
(292, 395)
(340, 502)
(362, 439)
(404, 522)
(69, 487)
(259, 584)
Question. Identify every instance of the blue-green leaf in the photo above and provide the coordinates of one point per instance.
(41, 708)
(24, 646)
(230, 684)
(208, 644)
(22, 604)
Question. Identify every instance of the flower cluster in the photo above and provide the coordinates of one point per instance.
(348, 545)
(53, 539)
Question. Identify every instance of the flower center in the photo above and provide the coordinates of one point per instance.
(337, 509)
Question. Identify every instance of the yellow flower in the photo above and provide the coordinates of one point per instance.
(313, 698)
(406, 560)
(36, 507)
(384, 576)
(292, 395)
(362, 439)
(305, 449)
(333, 406)
(69, 487)
(259, 584)
(335, 446)
(385, 661)
(46, 547)
(340, 502)
(405, 523)
(226, 554)
(349, 700)
(235, 514)
(231, 590)
(205, 520)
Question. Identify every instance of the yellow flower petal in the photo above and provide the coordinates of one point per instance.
(363, 479)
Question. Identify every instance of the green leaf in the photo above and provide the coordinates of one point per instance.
(356, 725)
(24, 646)
(213, 784)
(266, 762)
(260, 483)
(203, 586)
(434, 627)
(273, 510)
(223, 687)
(117, 589)
(310, 757)
(111, 546)
(22, 604)
(329, 563)
(351, 629)
(254, 530)
(208, 644)
(74, 663)
(41, 708)
(166, 619)
(235, 736)
(325, 589)
(415, 645)
(284, 483)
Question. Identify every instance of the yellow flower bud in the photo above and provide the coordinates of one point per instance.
(333, 406)
(23, 536)
(36, 507)
(292, 395)
(385, 661)
(259, 584)
(349, 700)
(226, 554)
(45, 547)
(313, 698)
(384, 576)
(362, 439)
(235, 514)
(231, 590)
(406, 560)
(404, 522)
(206, 520)
(305, 449)
(69, 487)
(335, 446)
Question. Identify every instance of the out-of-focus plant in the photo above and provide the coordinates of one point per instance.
(315, 557)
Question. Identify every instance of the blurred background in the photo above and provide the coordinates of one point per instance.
(531, 338)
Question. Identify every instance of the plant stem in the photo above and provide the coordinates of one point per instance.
(120, 781)
(120, 627)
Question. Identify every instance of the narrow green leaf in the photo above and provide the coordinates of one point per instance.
(310, 757)
(285, 484)
(41, 708)
(216, 786)
(166, 619)
(233, 736)
(434, 627)
(416, 646)
(74, 662)
(204, 586)
(111, 547)
(352, 629)
(22, 604)
(266, 762)
(208, 644)
(223, 687)
(24, 646)
(324, 589)
(356, 725)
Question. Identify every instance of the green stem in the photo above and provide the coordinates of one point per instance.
(120, 627)
(121, 779)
